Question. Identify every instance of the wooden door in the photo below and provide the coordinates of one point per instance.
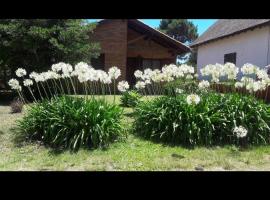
(133, 64)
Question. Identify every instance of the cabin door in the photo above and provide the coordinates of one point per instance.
(133, 64)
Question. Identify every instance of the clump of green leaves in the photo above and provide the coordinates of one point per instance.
(130, 98)
(211, 122)
(66, 122)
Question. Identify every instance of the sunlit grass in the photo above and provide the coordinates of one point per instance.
(133, 154)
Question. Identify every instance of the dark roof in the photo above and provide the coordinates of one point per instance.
(156, 35)
(227, 27)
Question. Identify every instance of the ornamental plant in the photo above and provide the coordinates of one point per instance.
(63, 79)
(130, 98)
(208, 119)
(72, 123)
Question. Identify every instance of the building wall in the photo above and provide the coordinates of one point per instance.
(252, 47)
(112, 36)
(146, 48)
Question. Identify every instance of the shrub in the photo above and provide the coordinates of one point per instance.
(130, 98)
(68, 122)
(16, 106)
(187, 86)
(210, 122)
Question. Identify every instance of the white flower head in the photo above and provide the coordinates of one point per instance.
(204, 85)
(27, 82)
(57, 67)
(123, 86)
(239, 85)
(140, 85)
(240, 131)
(114, 72)
(179, 91)
(193, 99)
(14, 84)
(248, 69)
(20, 72)
(138, 73)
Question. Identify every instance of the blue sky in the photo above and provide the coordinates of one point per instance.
(202, 24)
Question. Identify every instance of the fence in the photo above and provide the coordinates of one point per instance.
(263, 95)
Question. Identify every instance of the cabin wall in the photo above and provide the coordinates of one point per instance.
(146, 48)
(112, 36)
(252, 47)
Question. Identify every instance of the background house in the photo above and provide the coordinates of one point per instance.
(131, 45)
(237, 41)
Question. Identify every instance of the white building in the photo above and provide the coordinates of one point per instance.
(237, 41)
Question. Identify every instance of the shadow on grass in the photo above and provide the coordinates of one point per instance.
(234, 149)
(20, 139)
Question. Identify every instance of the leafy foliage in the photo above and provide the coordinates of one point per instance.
(211, 122)
(130, 98)
(73, 123)
(182, 30)
(35, 44)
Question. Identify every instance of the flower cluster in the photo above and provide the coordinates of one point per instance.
(168, 73)
(193, 99)
(217, 71)
(204, 85)
(82, 71)
(123, 86)
(240, 131)
(20, 72)
(14, 84)
(254, 79)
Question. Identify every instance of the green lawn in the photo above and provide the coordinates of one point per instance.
(133, 154)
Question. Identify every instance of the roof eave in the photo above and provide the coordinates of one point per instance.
(231, 34)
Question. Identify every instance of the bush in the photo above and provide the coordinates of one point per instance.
(211, 122)
(16, 106)
(130, 98)
(187, 86)
(68, 122)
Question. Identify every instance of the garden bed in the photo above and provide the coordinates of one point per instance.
(133, 154)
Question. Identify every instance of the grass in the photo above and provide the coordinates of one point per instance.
(133, 154)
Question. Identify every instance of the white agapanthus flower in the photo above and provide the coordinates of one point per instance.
(193, 99)
(179, 91)
(140, 85)
(114, 72)
(123, 86)
(27, 82)
(138, 73)
(57, 67)
(230, 70)
(67, 70)
(20, 72)
(33, 75)
(262, 74)
(248, 69)
(240, 131)
(189, 77)
(204, 84)
(80, 68)
(14, 84)
(239, 85)
(39, 78)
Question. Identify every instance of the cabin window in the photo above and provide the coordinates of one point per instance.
(151, 63)
(99, 62)
(230, 57)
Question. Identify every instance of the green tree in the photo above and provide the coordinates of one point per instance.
(35, 44)
(182, 30)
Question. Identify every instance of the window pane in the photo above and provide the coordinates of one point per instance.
(156, 64)
(147, 63)
(98, 63)
(231, 57)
